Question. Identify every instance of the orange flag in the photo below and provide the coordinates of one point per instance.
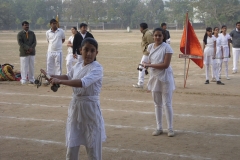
(57, 21)
(191, 43)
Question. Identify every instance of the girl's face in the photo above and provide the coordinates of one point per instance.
(158, 37)
(216, 30)
(89, 53)
(73, 31)
(224, 29)
(209, 33)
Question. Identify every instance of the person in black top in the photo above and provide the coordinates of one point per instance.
(78, 38)
(164, 27)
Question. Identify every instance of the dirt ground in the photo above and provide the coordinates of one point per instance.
(206, 117)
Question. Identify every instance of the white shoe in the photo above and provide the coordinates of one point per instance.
(170, 133)
(228, 78)
(137, 86)
(157, 132)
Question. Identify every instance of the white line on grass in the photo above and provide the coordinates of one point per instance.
(125, 100)
(126, 127)
(128, 111)
(106, 148)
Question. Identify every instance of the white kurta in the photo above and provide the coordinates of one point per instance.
(85, 119)
(224, 43)
(209, 50)
(219, 54)
(160, 80)
(70, 50)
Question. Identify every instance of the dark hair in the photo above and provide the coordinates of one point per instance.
(163, 24)
(24, 22)
(90, 41)
(205, 36)
(237, 23)
(214, 30)
(83, 25)
(75, 28)
(144, 26)
(52, 21)
(163, 32)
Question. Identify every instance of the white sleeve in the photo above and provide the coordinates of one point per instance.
(92, 77)
(47, 36)
(63, 35)
(168, 49)
(214, 38)
(228, 36)
(149, 47)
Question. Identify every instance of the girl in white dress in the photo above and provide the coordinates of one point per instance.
(85, 125)
(225, 42)
(209, 48)
(69, 58)
(161, 81)
(217, 61)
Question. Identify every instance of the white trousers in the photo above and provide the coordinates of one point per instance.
(236, 54)
(216, 68)
(54, 63)
(163, 100)
(94, 153)
(226, 68)
(142, 73)
(27, 68)
(70, 60)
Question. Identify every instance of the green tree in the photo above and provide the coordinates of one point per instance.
(40, 22)
(6, 14)
(17, 22)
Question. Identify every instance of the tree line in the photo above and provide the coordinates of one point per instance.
(123, 12)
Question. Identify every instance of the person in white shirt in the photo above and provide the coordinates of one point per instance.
(85, 124)
(225, 43)
(217, 61)
(69, 58)
(161, 80)
(55, 37)
(209, 48)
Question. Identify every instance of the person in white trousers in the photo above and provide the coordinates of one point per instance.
(209, 48)
(217, 61)
(235, 35)
(55, 37)
(69, 58)
(161, 81)
(27, 43)
(85, 124)
(225, 43)
(147, 39)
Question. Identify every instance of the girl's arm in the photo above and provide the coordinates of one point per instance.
(214, 54)
(60, 77)
(164, 65)
(69, 44)
(71, 83)
(229, 41)
(203, 46)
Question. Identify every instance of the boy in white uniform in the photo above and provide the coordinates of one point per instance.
(55, 37)
(85, 125)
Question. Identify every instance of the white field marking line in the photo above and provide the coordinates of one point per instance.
(112, 57)
(128, 111)
(32, 119)
(179, 131)
(127, 127)
(106, 148)
(121, 100)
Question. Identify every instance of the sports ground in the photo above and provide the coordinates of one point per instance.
(206, 117)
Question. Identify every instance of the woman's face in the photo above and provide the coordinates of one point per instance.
(209, 33)
(158, 37)
(224, 29)
(216, 30)
(89, 53)
(73, 31)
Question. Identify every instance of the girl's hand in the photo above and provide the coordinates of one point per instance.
(55, 81)
(145, 64)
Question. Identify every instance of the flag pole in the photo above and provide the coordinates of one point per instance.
(186, 25)
(187, 74)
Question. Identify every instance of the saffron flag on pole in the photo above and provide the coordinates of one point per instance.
(57, 21)
(190, 44)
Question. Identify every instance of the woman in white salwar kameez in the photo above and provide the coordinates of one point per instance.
(85, 125)
(217, 61)
(161, 81)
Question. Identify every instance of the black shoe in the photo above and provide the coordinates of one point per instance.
(207, 82)
(220, 83)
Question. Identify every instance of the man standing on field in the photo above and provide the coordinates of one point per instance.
(147, 39)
